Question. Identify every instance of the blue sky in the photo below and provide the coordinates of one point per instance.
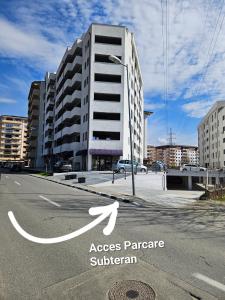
(181, 45)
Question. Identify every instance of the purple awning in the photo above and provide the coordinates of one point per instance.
(106, 152)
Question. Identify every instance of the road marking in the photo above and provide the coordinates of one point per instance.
(210, 281)
(16, 182)
(104, 212)
(50, 201)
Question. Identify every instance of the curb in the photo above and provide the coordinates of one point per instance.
(85, 189)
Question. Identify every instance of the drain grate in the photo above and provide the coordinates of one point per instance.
(131, 289)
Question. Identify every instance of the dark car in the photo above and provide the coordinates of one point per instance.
(16, 168)
(158, 166)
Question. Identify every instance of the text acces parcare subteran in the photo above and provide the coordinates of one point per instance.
(125, 246)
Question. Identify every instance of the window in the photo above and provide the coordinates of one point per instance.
(104, 58)
(107, 78)
(108, 40)
(106, 135)
(106, 116)
(106, 97)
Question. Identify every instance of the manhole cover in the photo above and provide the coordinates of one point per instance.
(131, 289)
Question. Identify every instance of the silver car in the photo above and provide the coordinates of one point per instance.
(125, 165)
(190, 167)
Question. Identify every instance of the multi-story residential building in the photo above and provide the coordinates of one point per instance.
(211, 137)
(36, 123)
(173, 155)
(49, 117)
(90, 113)
(13, 138)
(145, 135)
(151, 154)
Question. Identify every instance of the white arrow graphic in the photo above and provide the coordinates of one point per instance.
(110, 211)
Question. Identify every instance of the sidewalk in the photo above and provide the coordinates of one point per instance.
(147, 190)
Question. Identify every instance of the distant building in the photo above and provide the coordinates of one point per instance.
(151, 154)
(173, 155)
(211, 137)
(36, 124)
(13, 138)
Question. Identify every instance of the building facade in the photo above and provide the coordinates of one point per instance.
(86, 102)
(49, 118)
(13, 138)
(36, 124)
(173, 155)
(211, 137)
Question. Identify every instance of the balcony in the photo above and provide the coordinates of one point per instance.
(75, 146)
(49, 115)
(48, 138)
(69, 68)
(67, 130)
(49, 126)
(70, 98)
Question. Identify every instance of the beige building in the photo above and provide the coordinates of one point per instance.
(211, 137)
(13, 138)
(173, 155)
(35, 123)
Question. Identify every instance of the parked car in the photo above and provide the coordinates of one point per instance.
(125, 165)
(158, 166)
(63, 166)
(192, 167)
(16, 168)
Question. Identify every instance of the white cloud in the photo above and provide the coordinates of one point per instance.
(21, 43)
(162, 141)
(42, 30)
(154, 106)
(197, 109)
(7, 101)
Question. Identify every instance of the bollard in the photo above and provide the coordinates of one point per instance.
(113, 177)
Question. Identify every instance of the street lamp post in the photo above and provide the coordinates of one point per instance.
(117, 61)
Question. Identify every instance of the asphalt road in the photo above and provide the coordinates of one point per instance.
(191, 263)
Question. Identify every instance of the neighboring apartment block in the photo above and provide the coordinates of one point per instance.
(86, 101)
(13, 138)
(36, 123)
(173, 155)
(211, 137)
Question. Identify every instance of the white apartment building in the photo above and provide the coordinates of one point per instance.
(49, 112)
(90, 110)
(211, 137)
(35, 124)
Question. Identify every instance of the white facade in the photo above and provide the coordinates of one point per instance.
(90, 114)
(211, 137)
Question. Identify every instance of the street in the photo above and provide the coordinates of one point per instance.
(190, 266)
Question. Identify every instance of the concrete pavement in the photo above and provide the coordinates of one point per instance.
(148, 188)
(63, 271)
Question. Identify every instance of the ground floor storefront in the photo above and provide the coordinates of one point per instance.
(103, 162)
